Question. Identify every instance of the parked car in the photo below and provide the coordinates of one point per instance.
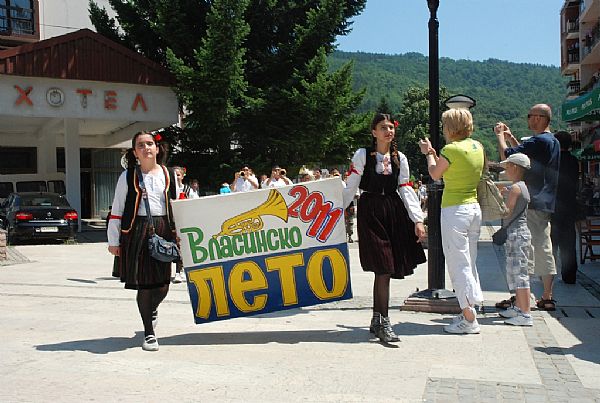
(37, 215)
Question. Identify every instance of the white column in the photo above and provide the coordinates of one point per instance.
(46, 152)
(72, 165)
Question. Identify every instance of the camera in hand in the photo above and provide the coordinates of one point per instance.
(282, 172)
(242, 173)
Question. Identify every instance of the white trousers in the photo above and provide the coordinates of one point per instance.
(460, 227)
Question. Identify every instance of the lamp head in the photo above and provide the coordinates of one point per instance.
(460, 102)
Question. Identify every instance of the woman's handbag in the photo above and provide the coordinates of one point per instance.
(499, 237)
(489, 198)
(160, 249)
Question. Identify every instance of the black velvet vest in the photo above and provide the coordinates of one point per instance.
(373, 182)
(134, 197)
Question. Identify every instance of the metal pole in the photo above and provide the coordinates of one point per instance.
(435, 268)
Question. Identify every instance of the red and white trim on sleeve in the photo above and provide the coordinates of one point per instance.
(352, 170)
(114, 217)
(406, 184)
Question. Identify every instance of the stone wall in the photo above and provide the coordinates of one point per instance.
(2, 244)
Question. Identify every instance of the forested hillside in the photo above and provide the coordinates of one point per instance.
(503, 90)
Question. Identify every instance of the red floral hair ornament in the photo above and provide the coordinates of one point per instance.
(396, 123)
(157, 137)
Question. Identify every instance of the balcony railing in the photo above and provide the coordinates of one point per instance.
(16, 20)
(590, 40)
(572, 26)
(573, 87)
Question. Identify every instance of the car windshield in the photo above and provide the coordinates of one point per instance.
(43, 201)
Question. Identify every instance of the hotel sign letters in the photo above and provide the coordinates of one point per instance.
(56, 97)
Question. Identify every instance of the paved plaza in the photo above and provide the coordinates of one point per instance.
(71, 333)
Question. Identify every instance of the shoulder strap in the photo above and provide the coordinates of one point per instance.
(145, 197)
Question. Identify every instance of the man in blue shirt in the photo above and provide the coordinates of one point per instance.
(544, 152)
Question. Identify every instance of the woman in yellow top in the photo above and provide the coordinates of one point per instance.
(460, 164)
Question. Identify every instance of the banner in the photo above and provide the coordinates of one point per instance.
(263, 251)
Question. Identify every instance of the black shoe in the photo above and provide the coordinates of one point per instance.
(385, 332)
(375, 322)
(569, 280)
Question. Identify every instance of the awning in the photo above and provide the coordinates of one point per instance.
(587, 154)
(583, 108)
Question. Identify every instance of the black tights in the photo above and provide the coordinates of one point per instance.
(148, 301)
(381, 294)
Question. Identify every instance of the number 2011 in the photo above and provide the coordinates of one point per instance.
(312, 207)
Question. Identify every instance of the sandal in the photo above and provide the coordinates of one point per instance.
(507, 303)
(546, 304)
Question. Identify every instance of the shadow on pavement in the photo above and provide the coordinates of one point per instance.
(586, 330)
(96, 346)
(353, 335)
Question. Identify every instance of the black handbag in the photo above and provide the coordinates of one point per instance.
(499, 237)
(160, 249)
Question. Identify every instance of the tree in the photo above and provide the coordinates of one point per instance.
(275, 102)
(413, 124)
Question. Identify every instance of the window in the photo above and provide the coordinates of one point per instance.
(18, 160)
(6, 188)
(57, 187)
(17, 17)
(32, 186)
(43, 201)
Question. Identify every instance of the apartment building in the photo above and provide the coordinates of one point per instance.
(580, 61)
(70, 101)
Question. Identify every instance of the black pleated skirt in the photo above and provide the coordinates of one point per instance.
(386, 235)
(137, 269)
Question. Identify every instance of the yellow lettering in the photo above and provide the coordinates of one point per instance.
(314, 274)
(201, 278)
(238, 286)
(285, 266)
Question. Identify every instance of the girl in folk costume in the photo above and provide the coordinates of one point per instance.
(389, 218)
(128, 227)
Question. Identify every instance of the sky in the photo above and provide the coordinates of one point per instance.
(521, 31)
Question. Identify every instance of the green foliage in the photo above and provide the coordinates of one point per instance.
(253, 76)
(504, 91)
(413, 125)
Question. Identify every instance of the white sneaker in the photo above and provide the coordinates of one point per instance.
(150, 343)
(458, 318)
(511, 312)
(177, 279)
(463, 327)
(520, 320)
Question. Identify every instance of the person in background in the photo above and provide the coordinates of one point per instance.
(183, 192)
(306, 177)
(317, 173)
(278, 178)
(390, 220)
(263, 181)
(562, 223)
(543, 151)
(244, 181)
(518, 242)
(422, 193)
(460, 164)
(224, 188)
(128, 232)
(194, 191)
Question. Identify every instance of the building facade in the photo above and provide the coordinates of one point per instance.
(580, 61)
(70, 105)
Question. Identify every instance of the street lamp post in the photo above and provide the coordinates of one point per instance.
(435, 265)
(435, 298)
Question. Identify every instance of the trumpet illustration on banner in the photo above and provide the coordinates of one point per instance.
(251, 220)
